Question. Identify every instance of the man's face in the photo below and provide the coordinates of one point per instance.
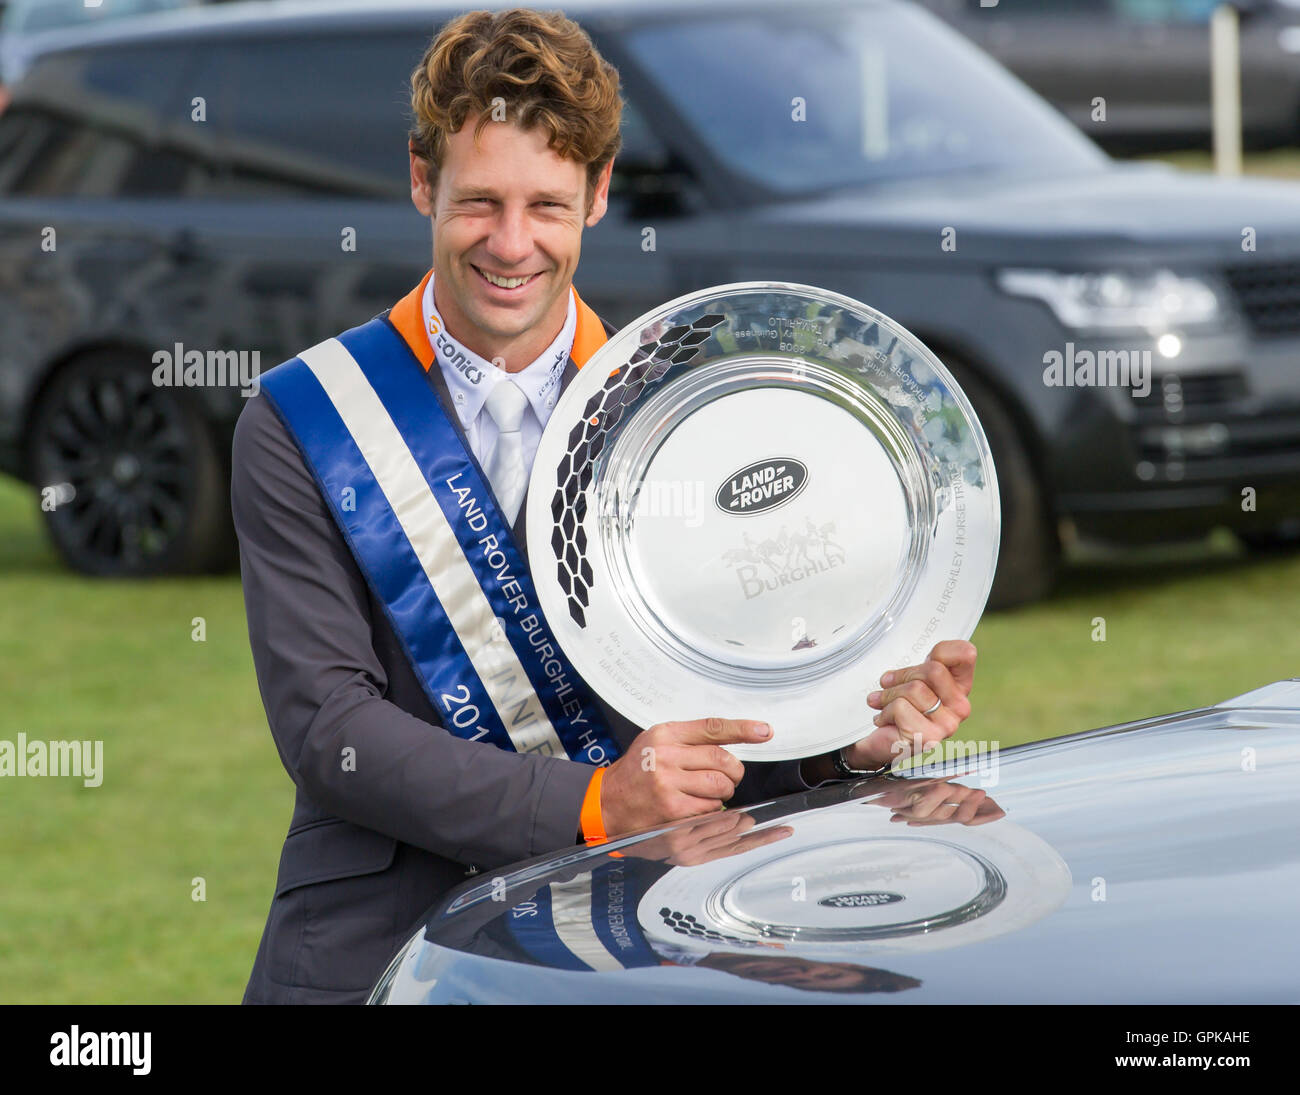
(511, 208)
(810, 975)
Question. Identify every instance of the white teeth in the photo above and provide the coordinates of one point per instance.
(505, 283)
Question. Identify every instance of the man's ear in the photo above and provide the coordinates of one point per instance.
(421, 190)
(600, 201)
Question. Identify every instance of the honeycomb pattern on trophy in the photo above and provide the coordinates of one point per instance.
(686, 924)
(602, 413)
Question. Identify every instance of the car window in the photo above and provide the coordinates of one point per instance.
(825, 97)
(642, 153)
(323, 114)
(103, 123)
(648, 179)
(641, 147)
(26, 136)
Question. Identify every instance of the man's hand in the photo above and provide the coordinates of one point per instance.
(710, 838)
(903, 727)
(675, 770)
(939, 802)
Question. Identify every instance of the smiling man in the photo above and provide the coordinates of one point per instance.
(377, 491)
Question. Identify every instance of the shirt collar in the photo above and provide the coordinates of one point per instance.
(406, 319)
(470, 378)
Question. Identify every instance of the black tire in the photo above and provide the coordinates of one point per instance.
(150, 493)
(1029, 557)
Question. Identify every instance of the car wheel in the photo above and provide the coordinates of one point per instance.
(1030, 551)
(131, 480)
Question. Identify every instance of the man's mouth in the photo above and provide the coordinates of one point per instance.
(507, 284)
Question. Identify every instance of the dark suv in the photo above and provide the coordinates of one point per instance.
(229, 186)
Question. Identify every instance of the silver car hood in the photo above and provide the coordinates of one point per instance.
(1152, 862)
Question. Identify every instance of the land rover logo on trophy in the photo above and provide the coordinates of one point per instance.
(860, 900)
(761, 486)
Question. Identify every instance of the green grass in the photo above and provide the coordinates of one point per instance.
(1279, 163)
(1183, 628)
(97, 895)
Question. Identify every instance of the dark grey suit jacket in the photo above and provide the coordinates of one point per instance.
(372, 846)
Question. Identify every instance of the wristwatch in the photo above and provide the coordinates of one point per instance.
(843, 770)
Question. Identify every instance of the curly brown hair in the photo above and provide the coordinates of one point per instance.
(541, 66)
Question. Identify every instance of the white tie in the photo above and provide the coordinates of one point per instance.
(506, 404)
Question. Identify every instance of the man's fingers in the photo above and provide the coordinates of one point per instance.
(956, 805)
(707, 835)
(715, 830)
(694, 758)
(726, 825)
(930, 801)
(708, 783)
(724, 828)
(970, 805)
(913, 732)
(959, 656)
(922, 685)
(684, 806)
(951, 661)
(936, 726)
(692, 855)
(988, 811)
(750, 841)
(916, 691)
(738, 840)
(717, 731)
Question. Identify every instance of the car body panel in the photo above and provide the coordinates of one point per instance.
(1153, 862)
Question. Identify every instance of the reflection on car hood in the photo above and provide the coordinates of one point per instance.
(1158, 861)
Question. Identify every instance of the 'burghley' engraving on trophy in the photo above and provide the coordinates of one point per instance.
(761, 486)
(763, 565)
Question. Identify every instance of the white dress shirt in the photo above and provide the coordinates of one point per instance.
(470, 378)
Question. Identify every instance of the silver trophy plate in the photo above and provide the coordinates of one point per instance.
(751, 502)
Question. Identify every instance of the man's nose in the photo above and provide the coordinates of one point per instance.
(511, 240)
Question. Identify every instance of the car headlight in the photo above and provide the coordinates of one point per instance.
(1117, 301)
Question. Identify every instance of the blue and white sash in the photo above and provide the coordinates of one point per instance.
(416, 511)
(588, 924)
